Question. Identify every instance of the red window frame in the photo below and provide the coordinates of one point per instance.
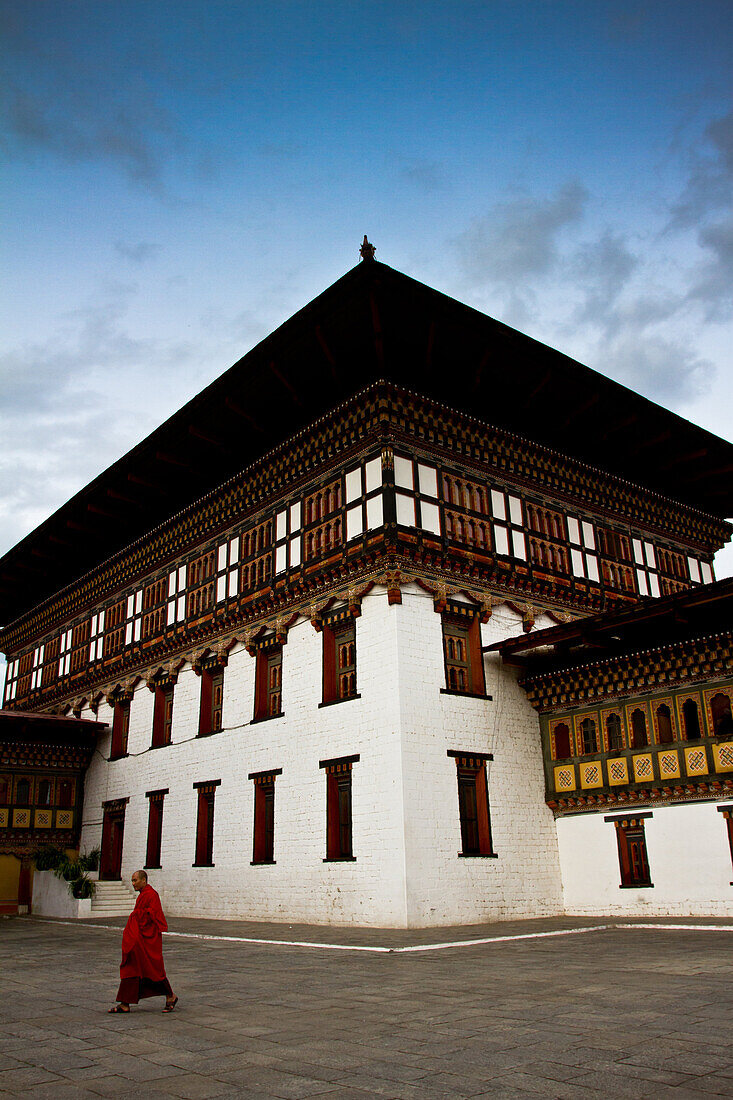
(263, 834)
(212, 696)
(339, 660)
(155, 827)
(473, 803)
(162, 715)
(205, 823)
(632, 854)
(120, 728)
(462, 655)
(339, 816)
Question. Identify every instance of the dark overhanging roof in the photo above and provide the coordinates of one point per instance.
(373, 323)
(651, 623)
(22, 725)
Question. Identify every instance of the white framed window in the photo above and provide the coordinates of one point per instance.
(508, 525)
(583, 556)
(227, 570)
(133, 623)
(11, 680)
(701, 572)
(289, 537)
(416, 494)
(65, 653)
(177, 595)
(37, 670)
(645, 559)
(96, 637)
(363, 498)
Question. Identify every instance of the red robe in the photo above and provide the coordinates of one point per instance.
(142, 940)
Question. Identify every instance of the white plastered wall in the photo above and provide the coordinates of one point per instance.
(406, 825)
(300, 886)
(689, 864)
(443, 887)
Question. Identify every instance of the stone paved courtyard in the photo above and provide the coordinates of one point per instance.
(614, 1012)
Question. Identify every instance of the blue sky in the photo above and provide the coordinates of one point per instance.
(181, 177)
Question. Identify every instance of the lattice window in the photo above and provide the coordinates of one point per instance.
(464, 666)
(589, 735)
(96, 637)
(322, 503)
(691, 719)
(37, 670)
(647, 573)
(544, 521)
(288, 538)
(79, 646)
(583, 558)
(561, 741)
(227, 573)
(363, 498)
(11, 680)
(664, 723)
(720, 714)
(614, 732)
(639, 731)
(65, 653)
(469, 495)
(612, 544)
(115, 627)
(339, 658)
(416, 494)
(509, 539)
(133, 617)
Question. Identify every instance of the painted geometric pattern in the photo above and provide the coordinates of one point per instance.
(565, 779)
(696, 761)
(643, 768)
(618, 771)
(723, 757)
(43, 819)
(669, 765)
(64, 819)
(21, 819)
(590, 775)
(4, 814)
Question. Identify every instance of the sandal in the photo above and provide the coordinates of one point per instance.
(118, 1008)
(170, 1005)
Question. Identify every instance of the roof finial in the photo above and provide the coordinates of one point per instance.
(367, 250)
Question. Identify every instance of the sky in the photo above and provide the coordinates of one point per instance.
(179, 178)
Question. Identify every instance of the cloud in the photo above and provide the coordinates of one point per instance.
(708, 188)
(713, 286)
(427, 175)
(518, 239)
(138, 253)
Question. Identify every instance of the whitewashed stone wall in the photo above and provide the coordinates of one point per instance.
(689, 864)
(443, 887)
(405, 804)
(406, 826)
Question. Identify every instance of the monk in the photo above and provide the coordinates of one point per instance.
(142, 972)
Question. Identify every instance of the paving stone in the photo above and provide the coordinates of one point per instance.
(604, 1014)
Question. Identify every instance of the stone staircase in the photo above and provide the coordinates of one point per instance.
(113, 899)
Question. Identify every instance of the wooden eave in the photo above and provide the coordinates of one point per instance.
(372, 323)
(652, 623)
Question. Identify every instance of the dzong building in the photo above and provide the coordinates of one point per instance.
(405, 620)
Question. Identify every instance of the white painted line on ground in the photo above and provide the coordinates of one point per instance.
(380, 950)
